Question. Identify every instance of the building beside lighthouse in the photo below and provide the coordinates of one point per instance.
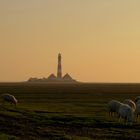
(55, 78)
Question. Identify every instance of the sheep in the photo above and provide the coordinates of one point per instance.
(130, 103)
(126, 112)
(9, 98)
(113, 106)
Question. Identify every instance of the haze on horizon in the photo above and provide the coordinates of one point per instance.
(99, 39)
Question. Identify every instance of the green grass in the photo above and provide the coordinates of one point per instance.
(8, 137)
(66, 111)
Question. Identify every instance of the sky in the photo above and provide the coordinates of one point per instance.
(99, 39)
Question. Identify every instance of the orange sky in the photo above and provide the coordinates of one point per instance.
(99, 39)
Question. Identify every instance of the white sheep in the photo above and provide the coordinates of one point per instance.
(126, 112)
(113, 107)
(9, 98)
(130, 103)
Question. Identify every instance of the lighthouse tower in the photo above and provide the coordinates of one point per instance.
(59, 67)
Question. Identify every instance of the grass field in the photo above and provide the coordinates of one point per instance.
(65, 112)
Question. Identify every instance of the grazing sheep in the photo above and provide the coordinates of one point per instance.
(126, 112)
(113, 107)
(130, 103)
(9, 98)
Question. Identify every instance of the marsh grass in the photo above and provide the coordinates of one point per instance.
(66, 111)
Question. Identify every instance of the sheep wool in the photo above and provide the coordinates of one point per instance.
(130, 103)
(126, 112)
(9, 98)
(113, 106)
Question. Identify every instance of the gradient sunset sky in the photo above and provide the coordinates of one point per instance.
(99, 39)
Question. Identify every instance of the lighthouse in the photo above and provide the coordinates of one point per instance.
(59, 67)
(53, 78)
